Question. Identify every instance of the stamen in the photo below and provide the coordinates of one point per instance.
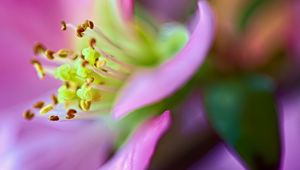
(113, 71)
(80, 31)
(83, 29)
(38, 67)
(53, 118)
(39, 48)
(28, 114)
(63, 26)
(104, 88)
(62, 53)
(105, 73)
(84, 63)
(49, 70)
(85, 105)
(49, 54)
(39, 105)
(46, 109)
(114, 59)
(99, 32)
(100, 63)
(71, 114)
(89, 81)
(54, 99)
(92, 43)
(90, 24)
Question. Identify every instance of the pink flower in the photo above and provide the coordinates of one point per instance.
(114, 75)
(150, 75)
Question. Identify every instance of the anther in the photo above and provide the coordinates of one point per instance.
(53, 118)
(93, 43)
(38, 66)
(71, 114)
(81, 56)
(90, 24)
(49, 54)
(84, 63)
(62, 53)
(67, 84)
(74, 56)
(46, 109)
(85, 105)
(63, 25)
(39, 48)
(101, 63)
(28, 114)
(104, 70)
(39, 105)
(89, 81)
(80, 30)
(54, 99)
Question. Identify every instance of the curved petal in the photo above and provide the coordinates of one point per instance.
(149, 86)
(136, 154)
(291, 128)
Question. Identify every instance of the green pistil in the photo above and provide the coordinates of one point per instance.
(83, 72)
(79, 77)
(90, 55)
(66, 94)
(85, 93)
(65, 72)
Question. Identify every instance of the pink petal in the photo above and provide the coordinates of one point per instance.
(219, 158)
(127, 8)
(41, 144)
(149, 86)
(136, 154)
(77, 12)
(291, 130)
(26, 22)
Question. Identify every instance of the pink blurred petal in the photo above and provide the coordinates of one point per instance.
(77, 12)
(219, 158)
(149, 86)
(291, 131)
(136, 154)
(26, 22)
(41, 144)
(127, 7)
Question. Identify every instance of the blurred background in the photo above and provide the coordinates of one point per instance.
(253, 65)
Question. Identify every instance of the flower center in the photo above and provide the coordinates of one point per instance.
(90, 76)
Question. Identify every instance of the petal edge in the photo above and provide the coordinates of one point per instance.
(136, 154)
(149, 86)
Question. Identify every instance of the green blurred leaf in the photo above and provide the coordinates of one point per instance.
(249, 11)
(243, 112)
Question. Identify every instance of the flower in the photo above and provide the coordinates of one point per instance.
(105, 70)
(110, 74)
